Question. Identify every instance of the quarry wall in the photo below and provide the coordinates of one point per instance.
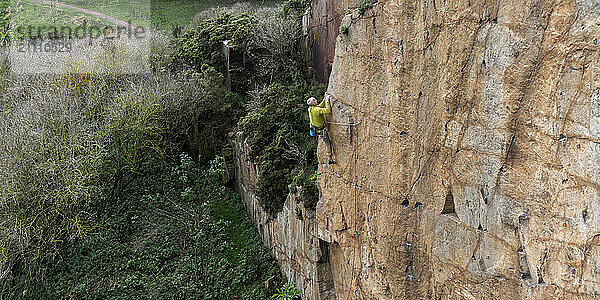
(468, 154)
(472, 168)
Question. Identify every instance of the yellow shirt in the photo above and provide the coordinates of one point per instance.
(315, 113)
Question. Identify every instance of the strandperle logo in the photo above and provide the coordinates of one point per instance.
(80, 32)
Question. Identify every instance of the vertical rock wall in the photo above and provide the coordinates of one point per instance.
(321, 27)
(472, 170)
(290, 236)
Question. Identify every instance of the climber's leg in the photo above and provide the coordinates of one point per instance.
(328, 146)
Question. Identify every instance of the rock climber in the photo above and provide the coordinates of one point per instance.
(317, 120)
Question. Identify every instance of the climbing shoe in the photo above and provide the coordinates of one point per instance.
(331, 162)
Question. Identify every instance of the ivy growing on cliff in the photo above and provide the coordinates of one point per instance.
(279, 142)
(277, 87)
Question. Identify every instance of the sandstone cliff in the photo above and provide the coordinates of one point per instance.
(321, 27)
(472, 168)
(468, 150)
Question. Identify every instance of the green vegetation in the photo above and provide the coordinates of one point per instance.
(286, 292)
(278, 142)
(97, 200)
(276, 121)
(365, 5)
(168, 14)
(5, 16)
(137, 12)
(296, 7)
(163, 14)
(58, 164)
(150, 14)
(162, 241)
(343, 29)
(309, 192)
(41, 16)
(201, 45)
(66, 172)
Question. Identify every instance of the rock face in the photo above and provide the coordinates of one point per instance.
(321, 27)
(290, 236)
(472, 168)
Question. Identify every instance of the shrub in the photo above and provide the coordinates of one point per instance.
(269, 41)
(198, 112)
(296, 7)
(68, 151)
(276, 50)
(51, 164)
(161, 49)
(176, 232)
(343, 29)
(365, 5)
(201, 44)
(287, 292)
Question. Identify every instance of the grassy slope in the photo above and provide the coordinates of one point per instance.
(40, 15)
(138, 12)
(166, 13)
(161, 241)
(163, 13)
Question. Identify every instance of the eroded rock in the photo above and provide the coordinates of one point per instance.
(493, 102)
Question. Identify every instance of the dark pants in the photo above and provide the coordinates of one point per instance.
(322, 133)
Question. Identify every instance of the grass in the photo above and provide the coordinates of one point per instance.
(163, 14)
(43, 16)
(138, 12)
(166, 13)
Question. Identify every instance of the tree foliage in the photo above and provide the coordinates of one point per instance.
(202, 43)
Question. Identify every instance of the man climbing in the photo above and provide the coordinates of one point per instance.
(317, 121)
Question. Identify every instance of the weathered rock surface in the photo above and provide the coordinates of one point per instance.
(321, 28)
(290, 236)
(473, 167)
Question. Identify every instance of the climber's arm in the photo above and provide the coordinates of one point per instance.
(322, 104)
(325, 106)
(322, 110)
